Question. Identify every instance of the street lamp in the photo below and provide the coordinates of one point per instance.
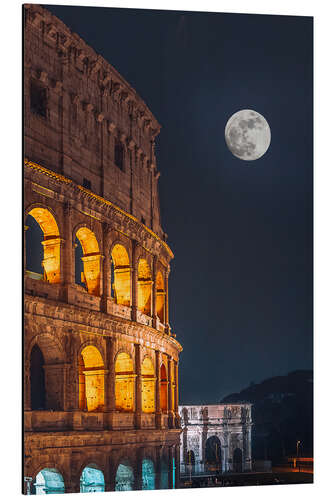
(297, 453)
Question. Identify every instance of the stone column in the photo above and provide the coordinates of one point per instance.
(138, 387)
(247, 447)
(106, 270)
(170, 389)
(67, 255)
(154, 292)
(134, 280)
(138, 469)
(170, 468)
(176, 396)
(177, 465)
(26, 228)
(109, 387)
(26, 389)
(110, 481)
(166, 304)
(158, 413)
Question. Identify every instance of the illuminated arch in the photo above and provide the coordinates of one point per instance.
(144, 287)
(92, 479)
(51, 245)
(148, 386)
(91, 379)
(148, 474)
(48, 480)
(124, 382)
(163, 388)
(124, 477)
(160, 297)
(121, 286)
(91, 260)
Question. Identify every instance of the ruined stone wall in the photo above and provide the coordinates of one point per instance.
(77, 108)
(87, 110)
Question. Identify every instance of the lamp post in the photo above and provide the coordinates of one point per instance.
(28, 480)
(297, 454)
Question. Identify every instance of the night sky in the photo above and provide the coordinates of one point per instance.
(241, 281)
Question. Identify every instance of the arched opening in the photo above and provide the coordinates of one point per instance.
(213, 454)
(92, 479)
(87, 261)
(148, 386)
(42, 246)
(48, 481)
(124, 477)
(120, 276)
(163, 388)
(190, 462)
(144, 287)
(37, 379)
(238, 460)
(160, 296)
(148, 474)
(91, 379)
(124, 382)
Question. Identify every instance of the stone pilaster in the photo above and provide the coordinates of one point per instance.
(170, 389)
(158, 413)
(106, 270)
(134, 280)
(166, 305)
(138, 386)
(154, 293)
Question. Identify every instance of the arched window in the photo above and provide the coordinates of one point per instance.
(148, 474)
(48, 481)
(163, 389)
(121, 282)
(124, 382)
(91, 379)
(92, 479)
(160, 297)
(42, 245)
(87, 257)
(148, 386)
(46, 375)
(124, 477)
(144, 287)
(37, 379)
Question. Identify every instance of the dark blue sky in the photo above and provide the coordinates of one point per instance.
(241, 281)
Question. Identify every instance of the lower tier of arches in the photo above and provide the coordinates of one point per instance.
(109, 468)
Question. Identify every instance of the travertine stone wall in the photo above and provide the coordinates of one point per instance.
(79, 116)
(90, 109)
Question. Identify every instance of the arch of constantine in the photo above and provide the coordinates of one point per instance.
(215, 439)
(100, 358)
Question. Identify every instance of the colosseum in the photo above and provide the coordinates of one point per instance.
(100, 358)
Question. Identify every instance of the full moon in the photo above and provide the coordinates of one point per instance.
(247, 135)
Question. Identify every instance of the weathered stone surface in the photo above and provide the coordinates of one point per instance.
(90, 175)
(230, 428)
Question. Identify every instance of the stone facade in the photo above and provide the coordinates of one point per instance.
(215, 438)
(100, 359)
